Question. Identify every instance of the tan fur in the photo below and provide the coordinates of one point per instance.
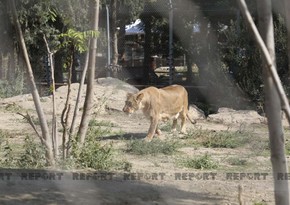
(166, 103)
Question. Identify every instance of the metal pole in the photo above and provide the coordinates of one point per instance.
(170, 56)
(108, 39)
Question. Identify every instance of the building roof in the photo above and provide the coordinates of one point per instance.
(135, 28)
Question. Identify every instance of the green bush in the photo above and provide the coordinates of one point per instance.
(92, 154)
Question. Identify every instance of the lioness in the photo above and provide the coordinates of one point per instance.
(160, 104)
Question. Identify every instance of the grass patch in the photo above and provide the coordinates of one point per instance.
(93, 154)
(102, 123)
(287, 147)
(202, 162)
(30, 155)
(156, 146)
(235, 161)
(219, 139)
(166, 127)
(13, 108)
(260, 203)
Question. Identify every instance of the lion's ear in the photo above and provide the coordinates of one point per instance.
(140, 97)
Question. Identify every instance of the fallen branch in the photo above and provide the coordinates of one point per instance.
(30, 121)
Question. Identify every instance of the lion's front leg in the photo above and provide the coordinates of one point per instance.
(152, 129)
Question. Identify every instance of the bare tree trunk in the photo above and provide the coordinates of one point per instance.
(274, 95)
(54, 122)
(273, 105)
(89, 104)
(42, 118)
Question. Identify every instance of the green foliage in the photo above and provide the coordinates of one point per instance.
(141, 147)
(76, 39)
(38, 18)
(243, 59)
(202, 162)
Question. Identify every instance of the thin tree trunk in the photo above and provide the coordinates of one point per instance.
(274, 94)
(42, 118)
(76, 110)
(54, 122)
(89, 104)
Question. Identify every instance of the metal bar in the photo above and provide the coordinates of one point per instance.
(170, 56)
(108, 38)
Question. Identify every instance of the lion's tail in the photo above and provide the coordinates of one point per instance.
(192, 121)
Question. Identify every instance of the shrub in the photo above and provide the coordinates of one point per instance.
(30, 155)
(92, 154)
(33, 156)
(8, 160)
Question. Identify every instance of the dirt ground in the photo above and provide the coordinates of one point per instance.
(155, 180)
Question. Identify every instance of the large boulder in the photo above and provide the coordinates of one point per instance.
(230, 116)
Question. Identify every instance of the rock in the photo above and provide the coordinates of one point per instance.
(228, 116)
(111, 93)
(117, 84)
(195, 113)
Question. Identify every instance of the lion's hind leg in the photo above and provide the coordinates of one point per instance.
(183, 120)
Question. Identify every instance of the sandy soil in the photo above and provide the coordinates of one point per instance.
(153, 179)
